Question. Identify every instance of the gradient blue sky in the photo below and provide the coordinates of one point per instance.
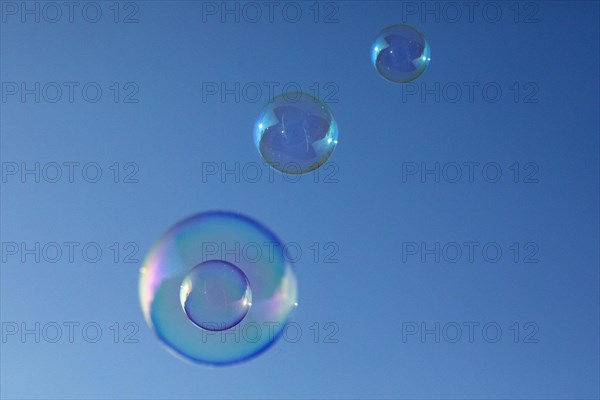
(171, 133)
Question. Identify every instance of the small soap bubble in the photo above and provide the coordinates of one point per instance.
(400, 53)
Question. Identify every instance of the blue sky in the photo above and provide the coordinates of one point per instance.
(376, 216)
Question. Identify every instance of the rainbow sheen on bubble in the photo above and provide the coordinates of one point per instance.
(295, 133)
(215, 295)
(400, 53)
(176, 262)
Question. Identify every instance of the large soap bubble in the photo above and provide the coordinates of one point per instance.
(207, 302)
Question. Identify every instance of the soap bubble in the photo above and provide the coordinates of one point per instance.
(295, 133)
(259, 291)
(400, 53)
(215, 295)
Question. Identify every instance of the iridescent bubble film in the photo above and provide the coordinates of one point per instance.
(295, 133)
(400, 53)
(215, 295)
(176, 263)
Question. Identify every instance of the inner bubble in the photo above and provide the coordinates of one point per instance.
(215, 295)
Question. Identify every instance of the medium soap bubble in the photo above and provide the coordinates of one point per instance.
(295, 133)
